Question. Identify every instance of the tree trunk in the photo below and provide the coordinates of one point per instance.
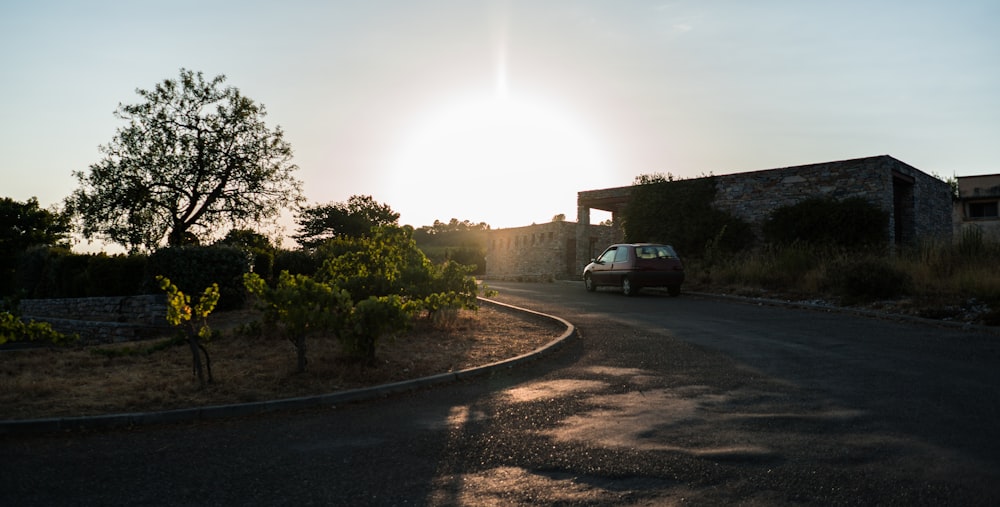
(208, 362)
(300, 347)
(196, 357)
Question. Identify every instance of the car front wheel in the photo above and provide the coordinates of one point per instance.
(588, 282)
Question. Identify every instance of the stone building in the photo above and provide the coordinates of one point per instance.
(540, 252)
(919, 207)
(976, 207)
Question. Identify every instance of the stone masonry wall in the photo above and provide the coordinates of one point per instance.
(932, 203)
(541, 252)
(101, 320)
(753, 196)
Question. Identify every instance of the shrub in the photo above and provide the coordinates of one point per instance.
(192, 268)
(35, 276)
(367, 288)
(296, 262)
(116, 275)
(372, 319)
(13, 329)
(257, 247)
(387, 262)
(868, 280)
(302, 306)
(52, 272)
(827, 222)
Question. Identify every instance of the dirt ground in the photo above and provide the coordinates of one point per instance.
(248, 366)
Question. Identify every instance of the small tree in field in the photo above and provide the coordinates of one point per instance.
(370, 320)
(193, 320)
(302, 305)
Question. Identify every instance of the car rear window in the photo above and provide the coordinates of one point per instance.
(655, 252)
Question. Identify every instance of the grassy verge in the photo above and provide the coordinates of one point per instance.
(933, 280)
(156, 375)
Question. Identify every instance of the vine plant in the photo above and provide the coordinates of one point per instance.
(193, 320)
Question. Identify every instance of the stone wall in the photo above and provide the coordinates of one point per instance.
(542, 252)
(101, 320)
(754, 196)
(919, 205)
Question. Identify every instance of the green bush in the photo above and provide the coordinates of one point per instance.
(387, 262)
(296, 262)
(36, 272)
(302, 306)
(13, 329)
(257, 246)
(192, 268)
(116, 275)
(53, 272)
(367, 288)
(868, 280)
(372, 319)
(827, 222)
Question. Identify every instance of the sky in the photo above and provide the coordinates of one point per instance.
(501, 111)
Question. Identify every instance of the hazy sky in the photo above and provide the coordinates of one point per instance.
(501, 111)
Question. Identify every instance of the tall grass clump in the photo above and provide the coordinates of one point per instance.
(868, 279)
(794, 268)
(929, 271)
(966, 268)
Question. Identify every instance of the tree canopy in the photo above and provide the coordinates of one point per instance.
(453, 225)
(194, 157)
(24, 225)
(352, 219)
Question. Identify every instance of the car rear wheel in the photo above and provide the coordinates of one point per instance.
(588, 282)
(627, 288)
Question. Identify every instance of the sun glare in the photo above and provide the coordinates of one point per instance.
(499, 159)
(505, 158)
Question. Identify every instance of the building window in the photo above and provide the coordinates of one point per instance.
(983, 209)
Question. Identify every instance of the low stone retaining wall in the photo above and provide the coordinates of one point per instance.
(101, 320)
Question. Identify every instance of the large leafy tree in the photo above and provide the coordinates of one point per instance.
(352, 219)
(194, 157)
(24, 225)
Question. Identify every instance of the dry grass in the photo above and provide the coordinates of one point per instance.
(36, 383)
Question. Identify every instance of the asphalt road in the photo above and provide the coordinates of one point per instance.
(660, 401)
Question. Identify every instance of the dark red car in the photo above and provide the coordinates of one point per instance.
(634, 266)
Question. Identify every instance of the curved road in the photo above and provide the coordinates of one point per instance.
(659, 401)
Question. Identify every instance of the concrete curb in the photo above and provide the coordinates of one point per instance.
(129, 420)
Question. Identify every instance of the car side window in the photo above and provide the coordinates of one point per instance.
(608, 257)
(621, 255)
